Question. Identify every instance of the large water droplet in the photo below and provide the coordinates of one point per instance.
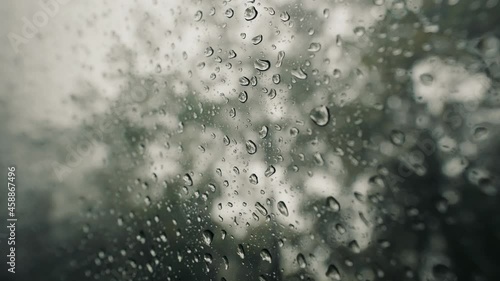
(262, 210)
(198, 15)
(314, 47)
(263, 132)
(281, 56)
(229, 13)
(332, 272)
(253, 179)
(262, 65)
(243, 97)
(285, 16)
(282, 208)
(397, 137)
(240, 251)
(332, 204)
(257, 39)
(251, 147)
(320, 115)
(426, 79)
(208, 236)
(265, 255)
(354, 246)
(187, 180)
(299, 73)
(270, 171)
(250, 13)
(301, 260)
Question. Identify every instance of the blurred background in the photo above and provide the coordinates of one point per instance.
(252, 140)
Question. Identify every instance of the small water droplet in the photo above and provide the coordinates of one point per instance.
(244, 81)
(301, 260)
(270, 171)
(426, 79)
(276, 79)
(250, 13)
(314, 47)
(251, 147)
(261, 64)
(263, 132)
(354, 246)
(229, 13)
(257, 39)
(320, 115)
(240, 251)
(253, 179)
(332, 272)
(243, 96)
(281, 56)
(332, 204)
(265, 255)
(282, 208)
(208, 237)
(198, 15)
(285, 16)
(209, 51)
(262, 210)
(187, 180)
(299, 73)
(481, 133)
(397, 137)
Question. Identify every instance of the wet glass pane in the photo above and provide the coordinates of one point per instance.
(250, 140)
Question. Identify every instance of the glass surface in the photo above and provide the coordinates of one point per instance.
(252, 140)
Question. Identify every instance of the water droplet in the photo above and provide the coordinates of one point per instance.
(359, 31)
(481, 133)
(243, 97)
(226, 140)
(262, 210)
(326, 13)
(301, 260)
(187, 180)
(198, 15)
(272, 94)
(232, 112)
(332, 204)
(318, 159)
(281, 56)
(265, 255)
(285, 16)
(426, 79)
(240, 251)
(320, 115)
(332, 272)
(209, 51)
(250, 13)
(232, 54)
(397, 137)
(354, 246)
(208, 237)
(276, 78)
(299, 73)
(226, 262)
(270, 171)
(262, 65)
(253, 179)
(229, 13)
(314, 47)
(257, 39)
(263, 132)
(251, 147)
(244, 81)
(282, 208)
